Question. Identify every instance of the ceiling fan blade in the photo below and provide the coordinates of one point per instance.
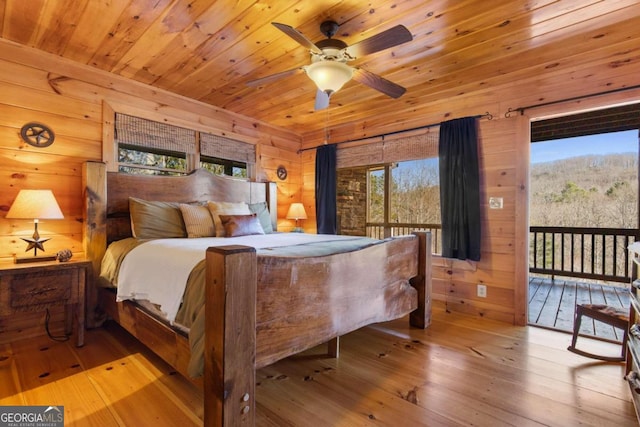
(297, 36)
(378, 83)
(322, 100)
(384, 40)
(273, 77)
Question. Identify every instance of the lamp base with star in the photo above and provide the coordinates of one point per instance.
(35, 243)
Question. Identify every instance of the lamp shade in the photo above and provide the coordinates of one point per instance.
(329, 76)
(35, 204)
(296, 211)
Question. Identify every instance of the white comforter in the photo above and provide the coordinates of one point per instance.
(158, 270)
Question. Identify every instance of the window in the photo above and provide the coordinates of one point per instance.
(585, 181)
(390, 187)
(413, 192)
(224, 156)
(375, 194)
(224, 167)
(583, 199)
(148, 147)
(133, 160)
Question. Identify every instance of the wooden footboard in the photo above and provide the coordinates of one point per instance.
(253, 322)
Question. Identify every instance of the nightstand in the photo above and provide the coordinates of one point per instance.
(40, 285)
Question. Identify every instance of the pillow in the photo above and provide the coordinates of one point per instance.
(262, 211)
(241, 225)
(197, 220)
(155, 220)
(226, 208)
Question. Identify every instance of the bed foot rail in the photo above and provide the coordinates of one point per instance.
(230, 336)
(421, 317)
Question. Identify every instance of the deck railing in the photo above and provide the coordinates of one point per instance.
(378, 230)
(588, 253)
(581, 252)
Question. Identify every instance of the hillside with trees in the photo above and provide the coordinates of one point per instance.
(586, 191)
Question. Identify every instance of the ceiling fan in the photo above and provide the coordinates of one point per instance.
(329, 57)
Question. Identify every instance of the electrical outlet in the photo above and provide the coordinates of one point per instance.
(482, 290)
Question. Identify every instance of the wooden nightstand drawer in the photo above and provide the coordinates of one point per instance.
(39, 286)
(29, 291)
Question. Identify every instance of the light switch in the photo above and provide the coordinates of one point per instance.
(495, 202)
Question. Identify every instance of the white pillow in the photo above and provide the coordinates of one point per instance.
(226, 208)
(197, 220)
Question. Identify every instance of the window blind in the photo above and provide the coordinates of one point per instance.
(398, 149)
(614, 119)
(227, 148)
(139, 132)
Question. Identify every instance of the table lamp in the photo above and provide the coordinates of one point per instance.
(296, 211)
(35, 205)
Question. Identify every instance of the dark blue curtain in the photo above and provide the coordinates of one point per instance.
(460, 189)
(326, 183)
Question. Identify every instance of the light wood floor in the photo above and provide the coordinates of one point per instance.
(461, 371)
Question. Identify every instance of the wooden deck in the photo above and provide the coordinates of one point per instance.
(552, 305)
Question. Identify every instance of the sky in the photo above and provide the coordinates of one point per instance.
(548, 151)
(615, 142)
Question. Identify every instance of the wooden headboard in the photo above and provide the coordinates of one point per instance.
(198, 186)
(106, 196)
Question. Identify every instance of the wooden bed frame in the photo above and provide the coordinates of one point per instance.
(259, 309)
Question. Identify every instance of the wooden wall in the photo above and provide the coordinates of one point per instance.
(72, 99)
(455, 281)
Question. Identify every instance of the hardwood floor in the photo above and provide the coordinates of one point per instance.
(460, 371)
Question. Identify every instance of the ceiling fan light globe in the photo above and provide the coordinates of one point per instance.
(329, 76)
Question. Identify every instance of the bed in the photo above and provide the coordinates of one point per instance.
(260, 306)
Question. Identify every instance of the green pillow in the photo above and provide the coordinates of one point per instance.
(155, 220)
(262, 211)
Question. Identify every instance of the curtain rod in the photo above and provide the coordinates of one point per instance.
(382, 135)
(521, 110)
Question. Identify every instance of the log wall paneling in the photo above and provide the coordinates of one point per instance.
(71, 99)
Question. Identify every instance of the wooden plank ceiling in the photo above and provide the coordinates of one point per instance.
(209, 49)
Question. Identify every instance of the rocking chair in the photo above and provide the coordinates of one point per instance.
(613, 316)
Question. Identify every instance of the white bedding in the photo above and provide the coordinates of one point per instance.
(147, 272)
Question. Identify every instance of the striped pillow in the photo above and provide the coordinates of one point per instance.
(197, 221)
